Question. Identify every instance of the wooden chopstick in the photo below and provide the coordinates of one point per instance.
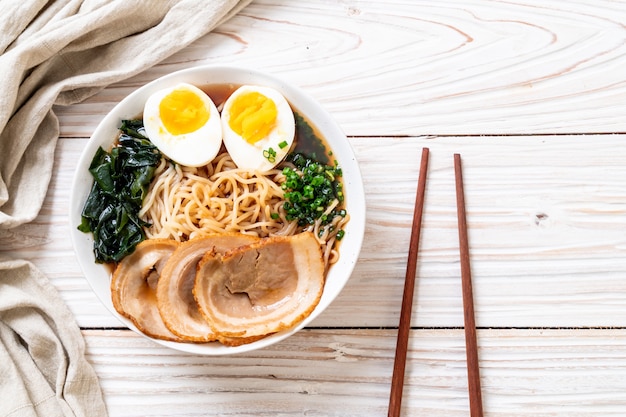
(397, 380)
(471, 348)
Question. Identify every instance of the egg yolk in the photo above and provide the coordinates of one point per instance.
(253, 116)
(182, 111)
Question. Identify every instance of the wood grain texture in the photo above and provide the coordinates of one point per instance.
(503, 83)
(419, 68)
(346, 373)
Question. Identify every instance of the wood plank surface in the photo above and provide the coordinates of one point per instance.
(400, 67)
(532, 95)
(566, 373)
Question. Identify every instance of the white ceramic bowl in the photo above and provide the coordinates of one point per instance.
(99, 276)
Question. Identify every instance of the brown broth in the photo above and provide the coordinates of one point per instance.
(313, 146)
(219, 92)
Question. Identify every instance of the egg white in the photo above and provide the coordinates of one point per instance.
(191, 149)
(251, 156)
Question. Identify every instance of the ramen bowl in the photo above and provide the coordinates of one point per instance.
(99, 275)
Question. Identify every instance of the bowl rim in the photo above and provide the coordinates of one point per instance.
(339, 273)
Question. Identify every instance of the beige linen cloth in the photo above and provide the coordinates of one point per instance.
(61, 52)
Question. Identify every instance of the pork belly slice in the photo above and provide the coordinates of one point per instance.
(175, 298)
(261, 288)
(134, 284)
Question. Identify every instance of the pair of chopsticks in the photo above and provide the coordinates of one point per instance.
(473, 374)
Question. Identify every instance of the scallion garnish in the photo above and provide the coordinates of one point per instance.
(310, 188)
(270, 154)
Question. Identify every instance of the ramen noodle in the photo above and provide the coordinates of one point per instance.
(184, 202)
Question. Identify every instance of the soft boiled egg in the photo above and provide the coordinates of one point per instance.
(258, 126)
(183, 122)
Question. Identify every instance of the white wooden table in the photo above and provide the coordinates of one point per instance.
(532, 94)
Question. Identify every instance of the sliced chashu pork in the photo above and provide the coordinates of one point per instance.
(175, 298)
(262, 288)
(134, 283)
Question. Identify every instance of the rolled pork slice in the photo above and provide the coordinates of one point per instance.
(261, 288)
(175, 299)
(134, 285)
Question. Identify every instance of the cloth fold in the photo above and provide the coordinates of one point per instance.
(43, 369)
(62, 52)
(69, 51)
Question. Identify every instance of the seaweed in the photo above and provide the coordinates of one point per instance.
(121, 180)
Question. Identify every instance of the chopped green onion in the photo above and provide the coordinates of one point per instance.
(310, 188)
(270, 154)
(282, 144)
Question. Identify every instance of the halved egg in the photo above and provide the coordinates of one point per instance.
(258, 126)
(183, 122)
